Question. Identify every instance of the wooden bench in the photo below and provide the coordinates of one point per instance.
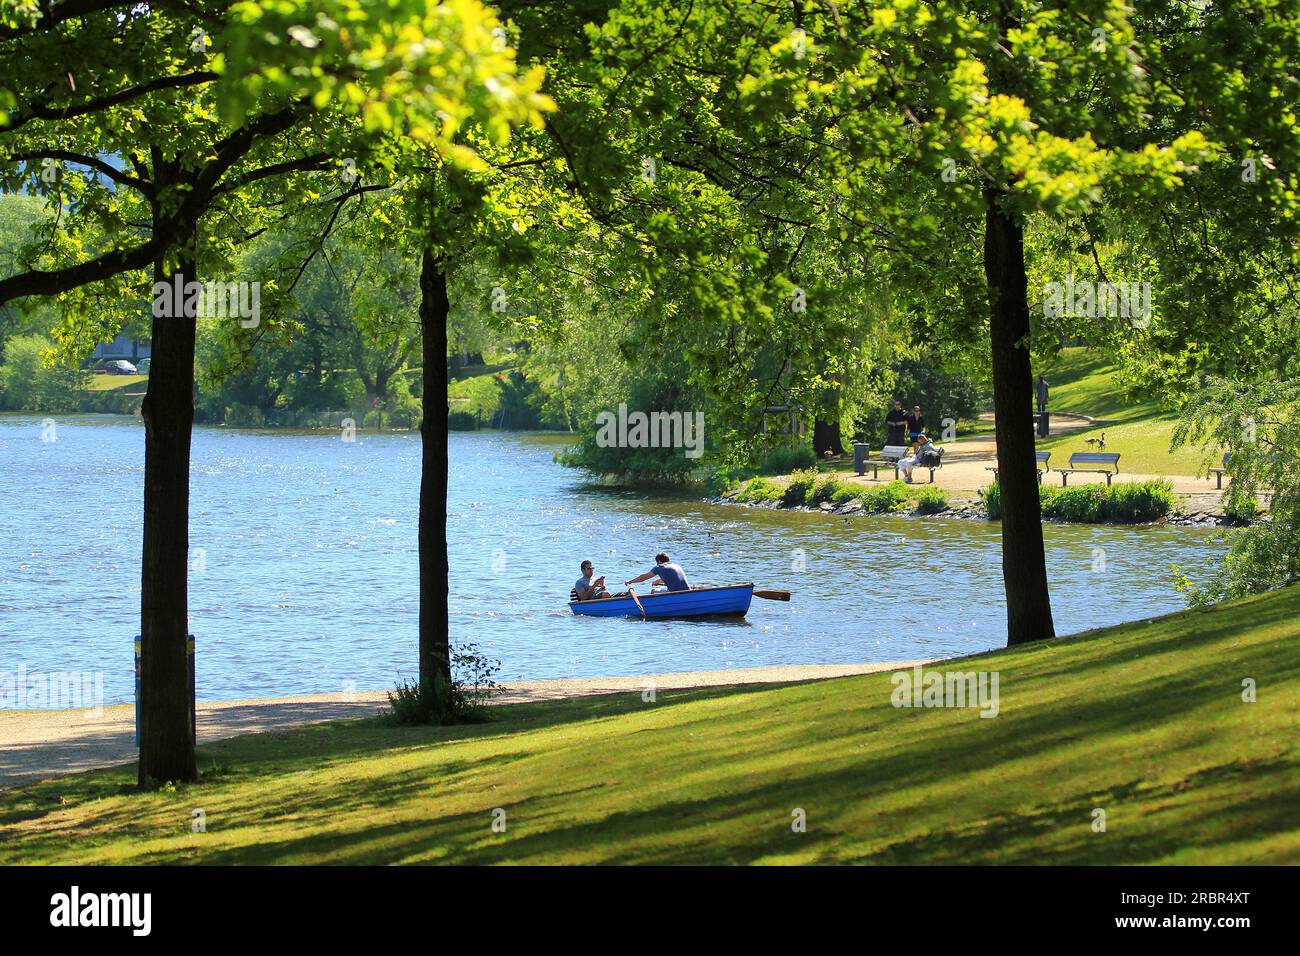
(1218, 472)
(889, 457)
(1089, 461)
(1040, 458)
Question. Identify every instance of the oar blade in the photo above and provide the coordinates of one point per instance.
(772, 595)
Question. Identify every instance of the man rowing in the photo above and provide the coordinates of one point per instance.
(667, 573)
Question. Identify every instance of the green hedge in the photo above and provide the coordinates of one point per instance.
(811, 488)
(1126, 503)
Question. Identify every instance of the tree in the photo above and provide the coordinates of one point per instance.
(196, 131)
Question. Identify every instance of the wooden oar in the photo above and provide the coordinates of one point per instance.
(772, 595)
(638, 602)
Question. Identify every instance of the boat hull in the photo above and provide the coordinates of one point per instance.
(730, 601)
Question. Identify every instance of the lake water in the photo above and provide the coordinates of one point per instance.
(304, 563)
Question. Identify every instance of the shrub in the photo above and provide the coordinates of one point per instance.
(1239, 508)
(28, 384)
(760, 489)
(931, 500)
(890, 497)
(991, 497)
(783, 459)
(462, 422)
(462, 701)
(1131, 503)
(846, 492)
(1127, 503)
(825, 488)
(1085, 503)
(799, 490)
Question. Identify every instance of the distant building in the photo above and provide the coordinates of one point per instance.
(123, 347)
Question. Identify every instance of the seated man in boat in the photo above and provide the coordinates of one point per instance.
(587, 588)
(666, 573)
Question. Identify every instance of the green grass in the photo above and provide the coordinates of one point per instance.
(1082, 384)
(1143, 446)
(111, 383)
(1144, 721)
(1140, 431)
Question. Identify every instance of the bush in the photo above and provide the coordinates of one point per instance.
(931, 500)
(799, 490)
(462, 701)
(991, 498)
(1239, 508)
(784, 459)
(1127, 503)
(886, 498)
(27, 384)
(760, 489)
(1131, 503)
(845, 492)
(825, 488)
(462, 422)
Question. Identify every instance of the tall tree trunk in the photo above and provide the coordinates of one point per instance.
(826, 437)
(435, 656)
(166, 741)
(1024, 566)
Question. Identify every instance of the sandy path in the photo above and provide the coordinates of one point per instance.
(966, 462)
(36, 744)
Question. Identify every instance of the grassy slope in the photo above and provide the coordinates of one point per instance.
(109, 383)
(1139, 430)
(1144, 721)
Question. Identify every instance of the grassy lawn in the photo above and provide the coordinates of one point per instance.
(1143, 445)
(1140, 431)
(1144, 721)
(108, 383)
(1080, 383)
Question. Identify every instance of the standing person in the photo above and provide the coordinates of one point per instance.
(896, 423)
(915, 423)
(1040, 392)
(669, 574)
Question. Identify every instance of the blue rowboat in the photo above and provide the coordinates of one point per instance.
(731, 600)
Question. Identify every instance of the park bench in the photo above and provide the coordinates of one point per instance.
(889, 457)
(1040, 458)
(1097, 462)
(1218, 472)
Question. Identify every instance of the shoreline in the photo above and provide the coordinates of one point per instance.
(968, 508)
(41, 744)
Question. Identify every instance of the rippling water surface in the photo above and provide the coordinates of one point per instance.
(305, 569)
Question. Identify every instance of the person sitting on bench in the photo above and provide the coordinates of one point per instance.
(922, 452)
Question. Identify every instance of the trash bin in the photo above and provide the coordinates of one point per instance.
(1044, 426)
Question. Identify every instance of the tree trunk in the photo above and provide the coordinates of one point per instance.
(826, 437)
(166, 741)
(435, 656)
(1024, 565)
